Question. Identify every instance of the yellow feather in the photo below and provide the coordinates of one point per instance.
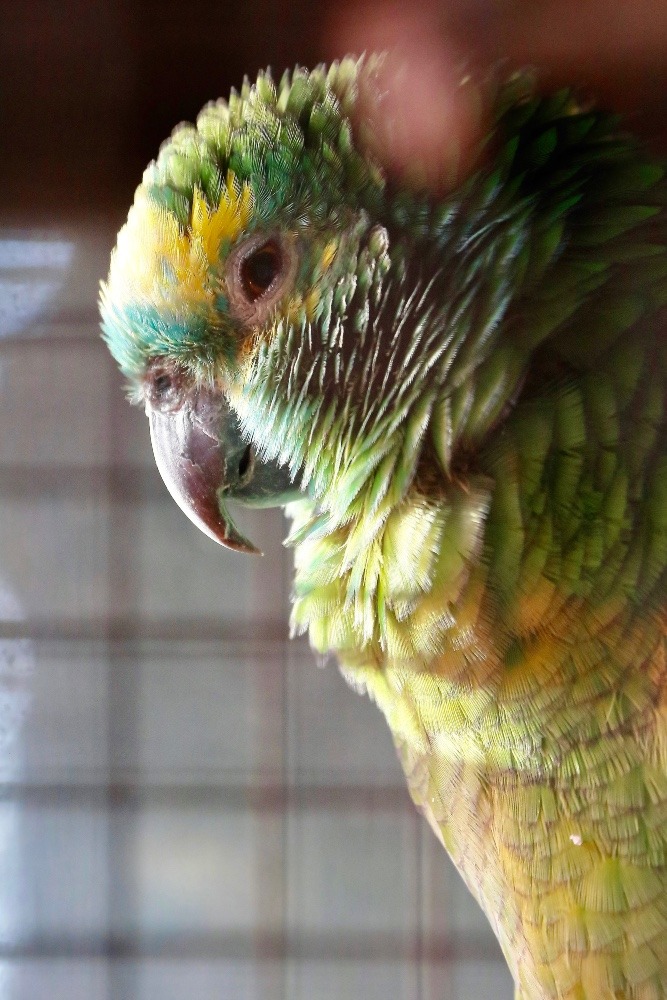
(156, 261)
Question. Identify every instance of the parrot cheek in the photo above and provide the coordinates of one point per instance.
(192, 464)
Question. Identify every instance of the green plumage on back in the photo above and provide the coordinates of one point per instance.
(470, 394)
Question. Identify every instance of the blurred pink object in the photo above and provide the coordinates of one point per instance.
(427, 121)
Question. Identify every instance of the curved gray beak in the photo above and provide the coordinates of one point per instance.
(204, 461)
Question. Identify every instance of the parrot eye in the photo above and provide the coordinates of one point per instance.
(259, 269)
(163, 386)
(258, 274)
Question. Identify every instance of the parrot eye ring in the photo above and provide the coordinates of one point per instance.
(259, 269)
(258, 273)
(164, 385)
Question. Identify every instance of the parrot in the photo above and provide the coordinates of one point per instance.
(459, 398)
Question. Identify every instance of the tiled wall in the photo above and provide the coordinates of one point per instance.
(189, 807)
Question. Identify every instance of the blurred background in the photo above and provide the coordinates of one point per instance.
(189, 807)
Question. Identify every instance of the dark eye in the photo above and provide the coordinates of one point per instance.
(259, 273)
(259, 269)
(164, 385)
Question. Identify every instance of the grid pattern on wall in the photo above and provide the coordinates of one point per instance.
(189, 807)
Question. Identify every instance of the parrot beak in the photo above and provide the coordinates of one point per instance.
(204, 461)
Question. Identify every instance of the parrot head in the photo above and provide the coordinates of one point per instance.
(296, 323)
(280, 309)
(228, 304)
